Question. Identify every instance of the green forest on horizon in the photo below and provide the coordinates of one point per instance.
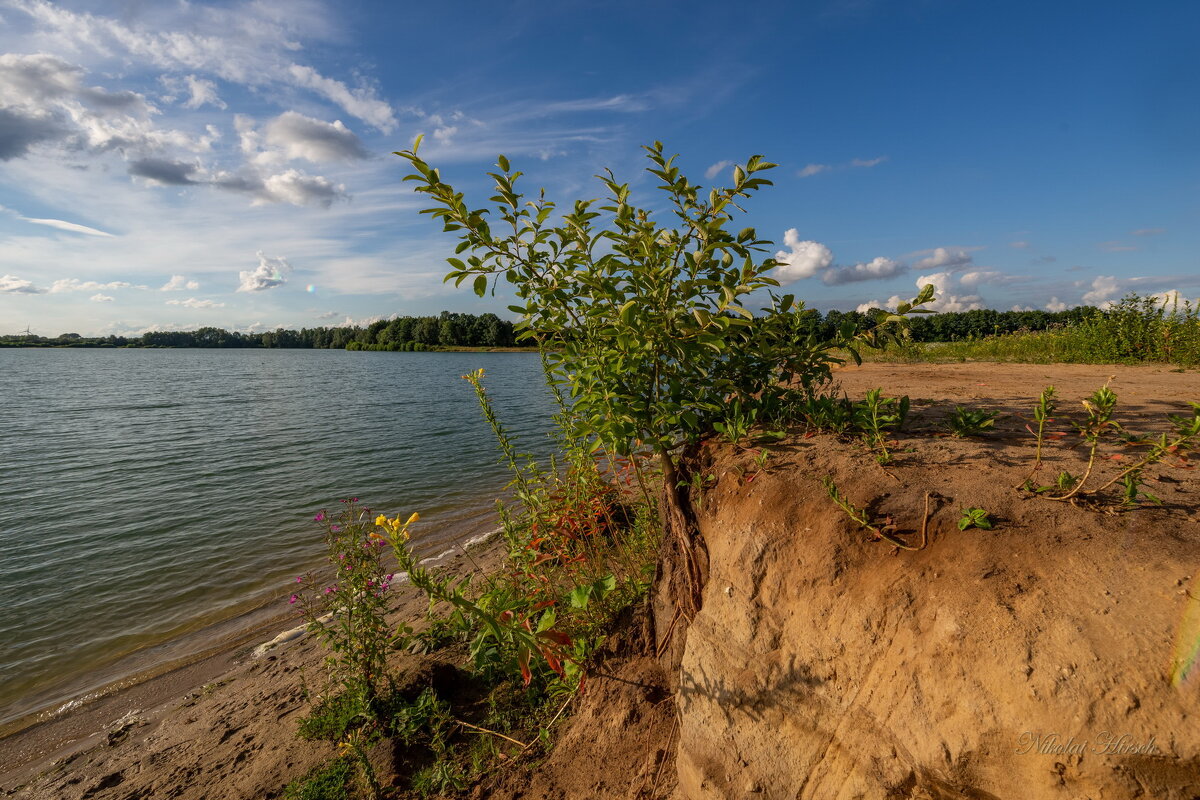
(455, 330)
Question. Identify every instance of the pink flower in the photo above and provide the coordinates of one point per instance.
(299, 579)
(292, 600)
(320, 517)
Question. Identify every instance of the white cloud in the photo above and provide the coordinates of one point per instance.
(299, 189)
(1149, 231)
(202, 92)
(270, 273)
(944, 257)
(803, 259)
(76, 285)
(11, 284)
(944, 297)
(361, 103)
(313, 140)
(291, 186)
(978, 276)
(67, 226)
(1173, 298)
(46, 101)
(179, 283)
(1103, 289)
(101, 298)
(715, 169)
(251, 45)
(1019, 245)
(876, 269)
(1056, 305)
(854, 163)
(193, 302)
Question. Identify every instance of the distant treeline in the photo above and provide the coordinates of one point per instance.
(402, 333)
(450, 329)
(952, 326)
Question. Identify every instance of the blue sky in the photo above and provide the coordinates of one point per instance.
(169, 165)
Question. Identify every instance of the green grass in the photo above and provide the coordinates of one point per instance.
(1137, 330)
(326, 781)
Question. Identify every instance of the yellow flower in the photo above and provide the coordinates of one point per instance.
(381, 520)
(415, 516)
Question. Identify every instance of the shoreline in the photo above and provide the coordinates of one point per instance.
(50, 739)
(265, 621)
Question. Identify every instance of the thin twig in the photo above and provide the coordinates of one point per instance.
(666, 752)
(662, 647)
(522, 745)
(553, 719)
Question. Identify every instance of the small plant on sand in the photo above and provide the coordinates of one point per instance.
(878, 415)
(1041, 415)
(347, 613)
(964, 421)
(347, 610)
(974, 518)
(1098, 422)
(1177, 445)
(860, 516)
(826, 413)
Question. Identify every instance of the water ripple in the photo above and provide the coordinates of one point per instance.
(145, 490)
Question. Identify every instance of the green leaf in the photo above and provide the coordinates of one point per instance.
(626, 312)
(580, 596)
(481, 285)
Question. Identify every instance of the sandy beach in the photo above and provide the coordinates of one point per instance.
(226, 715)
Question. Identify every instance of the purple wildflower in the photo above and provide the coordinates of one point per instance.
(320, 517)
(292, 600)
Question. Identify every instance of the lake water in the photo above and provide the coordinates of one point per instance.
(145, 494)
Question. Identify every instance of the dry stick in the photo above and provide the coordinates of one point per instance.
(553, 719)
(522, 745)
(662, 647)
(658, 772)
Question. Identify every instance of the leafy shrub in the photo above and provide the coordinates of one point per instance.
(970, 421)
(647, 321)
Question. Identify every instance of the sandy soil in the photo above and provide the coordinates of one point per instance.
(1037, 660)
(225, 727)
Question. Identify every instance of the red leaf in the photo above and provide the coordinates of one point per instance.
(523, 663)
(558, 637)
